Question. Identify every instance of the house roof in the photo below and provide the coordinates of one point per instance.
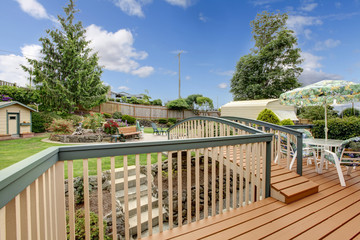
(252, 103)
(7, 104)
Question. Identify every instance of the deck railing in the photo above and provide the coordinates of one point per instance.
(281, 134)
(203, 127)
(33, 203)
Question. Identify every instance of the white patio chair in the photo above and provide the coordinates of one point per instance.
(348, 154)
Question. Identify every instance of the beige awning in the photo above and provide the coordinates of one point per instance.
(283, 114)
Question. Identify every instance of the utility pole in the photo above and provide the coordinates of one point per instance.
(179, 72)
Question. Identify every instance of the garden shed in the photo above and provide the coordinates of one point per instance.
(15, 119)
(251, 109)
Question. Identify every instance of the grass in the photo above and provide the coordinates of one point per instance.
(106, 163)
(13, 151)
(150, 129)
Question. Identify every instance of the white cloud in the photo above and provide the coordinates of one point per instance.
(312, 72)
(167, 72)
(298, 24)
(32, 51)
(143, 71)
(263, 2)
(10, 69)
(309, 7)
(338, 4)
(35, 9)
(223, 85)
(329, 43)
(135, 7)
(202, 17)
(116, 51)
(307, 33)
(180, 3)
(187, 77)
(132, 7)
(223, 73)
(124, 88)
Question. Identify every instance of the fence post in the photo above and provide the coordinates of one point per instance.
(268, 169)
(299, 155)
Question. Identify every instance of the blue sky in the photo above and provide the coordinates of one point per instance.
(137, 40)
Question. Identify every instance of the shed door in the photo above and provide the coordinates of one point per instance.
(13, 123)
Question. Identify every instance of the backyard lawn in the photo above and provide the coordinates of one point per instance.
(150, 129)
(13, 151)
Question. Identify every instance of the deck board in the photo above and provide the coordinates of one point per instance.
(332, 213)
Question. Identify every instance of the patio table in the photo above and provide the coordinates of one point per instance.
(322, 143)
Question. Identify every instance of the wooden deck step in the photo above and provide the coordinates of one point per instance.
(287, 186)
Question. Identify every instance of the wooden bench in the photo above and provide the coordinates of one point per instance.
(129, 131)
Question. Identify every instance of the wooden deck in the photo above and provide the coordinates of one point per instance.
(332, 213)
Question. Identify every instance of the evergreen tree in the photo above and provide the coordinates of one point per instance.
(68, 75)
(272, 66)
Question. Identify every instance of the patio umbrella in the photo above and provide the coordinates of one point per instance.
(323, 93)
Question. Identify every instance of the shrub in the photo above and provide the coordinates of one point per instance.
(269, 116)
(122, 123)
(178, 104)
(118, 100)
(133, 100)
(75, 119)
(145, 122)
(41, 121)
(107, 115)
(124, 99)
(110, 127)
(287, 122)
(5, 98)
(339, 128)
(162, 121)
(94, 121)
(348, 112)
(128, 119)
(172, 120)
(80, 226)
(157, 102)
(117, 115)
(316, 112)
(23, 95)
(61, 126)
(111, 99)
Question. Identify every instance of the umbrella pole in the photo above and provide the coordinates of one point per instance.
(326, 128)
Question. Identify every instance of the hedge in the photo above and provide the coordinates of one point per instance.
(339, 128)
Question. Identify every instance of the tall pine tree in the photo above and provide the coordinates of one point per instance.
(272, 67)
(68, 75)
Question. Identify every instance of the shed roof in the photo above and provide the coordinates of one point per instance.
(7, 104)
(261, 102)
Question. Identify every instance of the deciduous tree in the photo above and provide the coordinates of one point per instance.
(272, 67)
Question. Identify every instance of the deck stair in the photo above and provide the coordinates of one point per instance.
(119, 181)
(286, 185)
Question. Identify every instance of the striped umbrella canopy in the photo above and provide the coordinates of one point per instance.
(324, 93)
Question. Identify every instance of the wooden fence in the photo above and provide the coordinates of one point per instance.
(3, 83)
(149, 111)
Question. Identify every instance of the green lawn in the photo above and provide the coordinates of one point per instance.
(150, 129)
(13, 151)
